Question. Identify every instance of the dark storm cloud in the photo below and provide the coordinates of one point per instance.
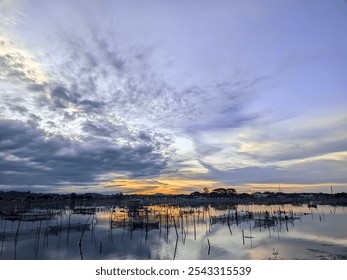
(29, 157)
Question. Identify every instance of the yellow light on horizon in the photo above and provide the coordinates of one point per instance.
(161, 185)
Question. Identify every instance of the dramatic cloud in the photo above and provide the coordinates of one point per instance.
(29, 157)
(94, 92)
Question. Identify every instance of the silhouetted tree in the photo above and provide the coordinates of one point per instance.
(205, 190)
(231, 191)
(219, 191)
(195, 193)
(224, 191)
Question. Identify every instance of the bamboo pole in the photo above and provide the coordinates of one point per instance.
(209, 247)
(167, 224)
(38, 239)
(175, 250)
(228, 221)
(175, 226)
(3, 238)
(182, 223)
(82, 234)
(194, 226)
(68, 228)
(16, 240)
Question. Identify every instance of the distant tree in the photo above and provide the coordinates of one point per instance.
(46, 197)
(219, 191)
(205, 190)
(195, 193)
(88, 197)
(340, 195)
(231, 191)
(224, 191)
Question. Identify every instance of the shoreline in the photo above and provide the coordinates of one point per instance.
(11, 201)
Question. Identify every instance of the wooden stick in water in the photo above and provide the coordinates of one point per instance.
(228, 221)
(209, 247)
(194, 226)
(175, 226)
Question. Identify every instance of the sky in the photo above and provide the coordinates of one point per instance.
(173, 96)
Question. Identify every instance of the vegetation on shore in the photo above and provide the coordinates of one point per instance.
(216, 196)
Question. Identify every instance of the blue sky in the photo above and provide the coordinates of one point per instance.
(173, 96)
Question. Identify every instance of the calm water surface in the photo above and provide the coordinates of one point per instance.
(166, 232)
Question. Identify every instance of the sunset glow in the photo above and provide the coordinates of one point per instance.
(173, 96)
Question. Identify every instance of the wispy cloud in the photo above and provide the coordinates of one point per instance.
(227, 93)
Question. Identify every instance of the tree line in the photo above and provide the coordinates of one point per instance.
(216, 192)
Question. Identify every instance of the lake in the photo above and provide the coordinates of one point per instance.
(163, 232)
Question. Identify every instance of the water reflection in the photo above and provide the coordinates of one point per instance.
(169, 232)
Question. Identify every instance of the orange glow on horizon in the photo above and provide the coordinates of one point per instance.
(187, 186)
(161, 185)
